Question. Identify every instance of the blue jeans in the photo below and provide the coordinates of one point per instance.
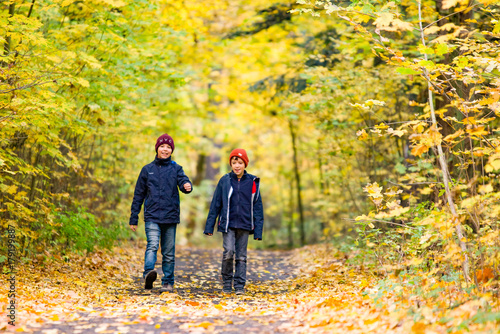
(163, 234)
(235, 243)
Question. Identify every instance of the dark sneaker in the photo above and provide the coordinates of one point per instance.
(227, 290)
(149, 279)
(167, 288)
(240, 292)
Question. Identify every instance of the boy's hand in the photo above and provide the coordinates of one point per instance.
(258, 238)
(209, 234)
(187, 186)
(133, 227)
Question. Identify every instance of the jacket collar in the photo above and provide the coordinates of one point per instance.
(163, 162)
(235, 177)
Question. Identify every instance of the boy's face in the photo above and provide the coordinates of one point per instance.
(164, 151)
(238, 166)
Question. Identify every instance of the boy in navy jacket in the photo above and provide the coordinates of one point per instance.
(158, 187)
(238, 206)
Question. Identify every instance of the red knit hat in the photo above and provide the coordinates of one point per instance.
(164, 139)
(240, 153)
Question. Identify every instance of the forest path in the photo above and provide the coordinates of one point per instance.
(305, 290)
(197, 303)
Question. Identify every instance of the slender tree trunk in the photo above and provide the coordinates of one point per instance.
(8, 41)
(297, 180)
(322, 185)
(444, 166)
(290, 223)
(191, 219)
(31, 8)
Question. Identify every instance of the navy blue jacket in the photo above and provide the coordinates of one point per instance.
(158, 187)
(240, 214)
(221, 210)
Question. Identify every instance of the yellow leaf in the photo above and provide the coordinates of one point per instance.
(66, 3)
(447, 4)
(373, 190)
(115, 3)
(80, 283)
(362, 135)
(487, 188)
(82, 82)
(418, 150)
(470, 120)
(415, 262)
(493, 164)
(12, 189)
(479, 131)
(426, 191)
(384, 20)
(398, 133)
(381, 126)
(487, 2)
(450, 138)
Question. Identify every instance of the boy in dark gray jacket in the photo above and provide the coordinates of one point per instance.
(238, 206)
(158, 187)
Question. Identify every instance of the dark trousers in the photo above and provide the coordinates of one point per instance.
(235, 243)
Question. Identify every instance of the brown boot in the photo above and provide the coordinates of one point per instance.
(167, 288)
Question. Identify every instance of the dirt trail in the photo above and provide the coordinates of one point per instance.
(197, 304)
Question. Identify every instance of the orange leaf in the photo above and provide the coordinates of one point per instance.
(419, 150)
(418, 328)
(454, 135)
(204, 324)
(485, 275)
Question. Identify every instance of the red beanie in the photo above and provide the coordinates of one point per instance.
(164, 139)
(240, 153)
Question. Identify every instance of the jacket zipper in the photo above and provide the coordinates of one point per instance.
(239, 204)
(228, 204)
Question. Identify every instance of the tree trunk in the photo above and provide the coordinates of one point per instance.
(444, 166)
(290, 223)
(7, 45)
(191, 218)
(297, 180)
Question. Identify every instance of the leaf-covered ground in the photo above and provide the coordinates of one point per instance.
(310, 290)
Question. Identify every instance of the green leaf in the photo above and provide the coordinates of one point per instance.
(442, 48)
(427, 63)
(400, 168)
(406, 70)
(425, 49)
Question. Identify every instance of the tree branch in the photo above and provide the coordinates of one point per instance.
(460, 11)
(380, 221)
